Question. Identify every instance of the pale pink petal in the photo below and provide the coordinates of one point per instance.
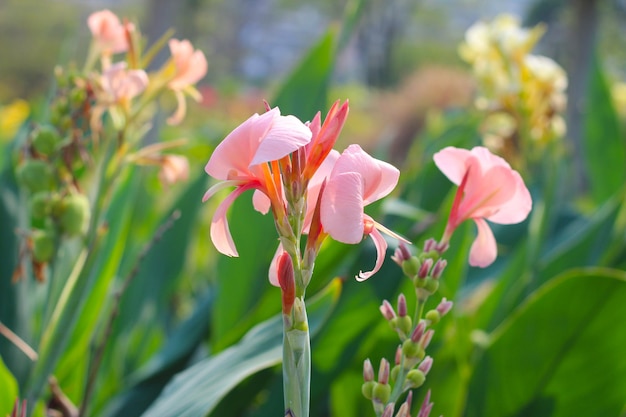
(452, 162)
(517, 208)
(487, 159)
(220, 232)
(261, 202)
(273, 272)
(220, 186)
(315, 184)
(486, 192)
(108, 32)
(341, 210)
(379, 177)
(315, 125)
(191, 65)
(234, 154)
(286, 135)
(484, 249)
(381, 248)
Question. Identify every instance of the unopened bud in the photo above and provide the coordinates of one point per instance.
(383, 372)
(430, 245)
(403, 411)
(398, 357)
(425, 365)
(424, 270)
(440, 265)
(286, 281)
(74, 214)
(444, 306)
(401, 254)
(425, 340)
(418, 332)
(368, 370)
(387, 310)
(402, 308)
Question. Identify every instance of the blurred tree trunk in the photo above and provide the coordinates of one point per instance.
(581, 44)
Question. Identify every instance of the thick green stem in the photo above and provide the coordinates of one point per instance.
(296, 361)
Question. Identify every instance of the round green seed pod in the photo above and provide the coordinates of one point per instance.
(433, 316)
(35, 175)
(410, 349)
(411, 266)
(381, 393)
(416, 378)
(394, 373)
(43, 245)
(46, 140)
(40, 204)
(74, 213)
(367, 389)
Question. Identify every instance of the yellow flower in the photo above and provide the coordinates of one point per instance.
(12, 116)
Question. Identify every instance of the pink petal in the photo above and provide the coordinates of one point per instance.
(234, 154)
(181, 109)
(341, 209)
(379, 177)
(273, 271)
(220, 232)
(484, 249)
(261, 202)
(220, 186)
(191, 65)
(451, 162)
(315, 184)
(486, 192)
(381, 248)
(286, 135)
(517, 208)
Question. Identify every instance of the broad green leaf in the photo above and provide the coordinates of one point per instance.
(197, 390)
(8, 392)
(305, 92)
(560, 355)
(604, 149)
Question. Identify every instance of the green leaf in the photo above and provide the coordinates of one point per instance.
(305, 92)
(196, 391)
(561, 354)
(604, 149)
(9, 392)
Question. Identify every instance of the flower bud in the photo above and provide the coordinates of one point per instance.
(425, 365)
(444, 306)
(388, 411)
(401, 254)
(368, 370)
(440, 265)
(383, 372)
(425, 340)
(74, 213)
(402, 308)
(387, 310)
(424, 270)
(286, 281)
(43, 246)
(46, 139)
(35, 175)
(430, 245)
(418, 332)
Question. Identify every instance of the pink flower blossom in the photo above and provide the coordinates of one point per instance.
(357, 180)
(190, 67)
(246, 159)
(120, 85)
(489, 189)
(108, 32)
(174, 168)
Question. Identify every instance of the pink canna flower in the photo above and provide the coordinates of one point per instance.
(246, 159)
(489, 189)
(190, 67)
(357, 180)
(174, 168)
(108, 32)
(120, 84)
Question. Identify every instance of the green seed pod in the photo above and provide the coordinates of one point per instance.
(394, 373)
(410, 349)
(416, 378)
(411, 266)
(432, 285)
(405, 324)
(433, 316)
(43, 245)
(46, 140)
(367, 389)
(35, 175)
(40, 204)
(381, 393)
(74, 214)
(78, 96)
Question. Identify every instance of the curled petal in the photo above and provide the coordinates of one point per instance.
(181, 109)
(484, 249)
(273, 272)
(381, 248)
(220, 232)
(452, 162)
(341, 209)
(220, 186)
(286, 135)
(261, 202)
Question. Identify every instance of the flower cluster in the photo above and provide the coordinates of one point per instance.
(97, 118)
(524, 93)
(310, 188)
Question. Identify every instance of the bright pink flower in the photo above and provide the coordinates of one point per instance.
(488, 189)
(246, 159)
(108, 32)
(356, 180)
(190, 67)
